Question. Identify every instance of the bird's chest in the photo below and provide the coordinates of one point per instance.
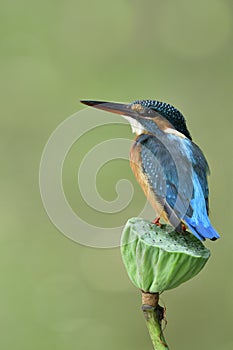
(153, 160)
(137, 165)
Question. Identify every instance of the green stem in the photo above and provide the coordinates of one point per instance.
(153, 313)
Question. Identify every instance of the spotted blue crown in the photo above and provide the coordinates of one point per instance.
(169, 112)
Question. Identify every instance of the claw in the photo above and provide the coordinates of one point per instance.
(183, 226)
(156, 222)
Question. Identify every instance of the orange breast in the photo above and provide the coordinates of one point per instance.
(136, 166)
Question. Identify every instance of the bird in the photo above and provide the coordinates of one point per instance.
(170, 168)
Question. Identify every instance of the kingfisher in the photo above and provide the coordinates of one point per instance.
(170, 168)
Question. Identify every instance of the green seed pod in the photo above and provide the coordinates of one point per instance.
(157, 259)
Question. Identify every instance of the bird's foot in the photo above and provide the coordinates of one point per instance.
(156, 222)
(184, 228)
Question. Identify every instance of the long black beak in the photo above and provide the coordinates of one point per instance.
(117, 108)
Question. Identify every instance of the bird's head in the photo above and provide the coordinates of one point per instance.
(147, 116)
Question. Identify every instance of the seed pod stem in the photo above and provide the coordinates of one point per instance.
(154, 315)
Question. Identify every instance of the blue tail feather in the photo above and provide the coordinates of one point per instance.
(199, 224)
(200, 231)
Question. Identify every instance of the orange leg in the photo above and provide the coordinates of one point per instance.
(156, 221)
(184, 228)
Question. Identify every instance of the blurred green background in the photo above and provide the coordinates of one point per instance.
(57, 294)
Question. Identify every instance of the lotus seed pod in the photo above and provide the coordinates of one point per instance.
(158, 259)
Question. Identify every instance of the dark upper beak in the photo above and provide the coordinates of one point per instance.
(117, 108)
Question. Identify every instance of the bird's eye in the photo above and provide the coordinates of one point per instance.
(150, 111)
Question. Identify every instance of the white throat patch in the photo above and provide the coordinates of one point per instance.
(136, 127)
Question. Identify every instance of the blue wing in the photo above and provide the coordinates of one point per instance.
(200, 168)
(199, 222)
(177, 173)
